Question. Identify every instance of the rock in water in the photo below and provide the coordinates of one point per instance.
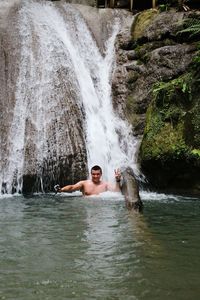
(130, 190)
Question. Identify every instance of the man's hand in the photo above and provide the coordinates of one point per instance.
(117, 175)
(57, 188)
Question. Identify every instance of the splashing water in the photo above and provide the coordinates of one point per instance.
(94, 74)
(53, 38)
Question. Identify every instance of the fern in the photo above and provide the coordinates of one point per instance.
(196, 62)
(192, 27)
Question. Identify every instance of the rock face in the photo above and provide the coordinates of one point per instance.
(41, 125)
(161, 93)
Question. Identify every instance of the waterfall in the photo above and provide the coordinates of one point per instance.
(61, 99)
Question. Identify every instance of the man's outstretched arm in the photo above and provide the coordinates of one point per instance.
(72, 187)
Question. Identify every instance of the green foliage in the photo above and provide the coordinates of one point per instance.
(196, 152)
(166, 127)
(192, 27)
(196, 60)
(142, 54)
(154, 123)
(180, 83)
(163, 7)
(177, 89)
(163, 140)
(195, 124)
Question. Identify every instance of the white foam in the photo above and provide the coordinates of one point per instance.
(154, 196)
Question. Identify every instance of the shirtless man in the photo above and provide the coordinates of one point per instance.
(94, 186)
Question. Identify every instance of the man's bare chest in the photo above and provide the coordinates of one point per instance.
(94, 189)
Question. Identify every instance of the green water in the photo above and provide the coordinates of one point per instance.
(92, 248)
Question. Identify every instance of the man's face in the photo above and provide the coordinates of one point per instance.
(96, 176)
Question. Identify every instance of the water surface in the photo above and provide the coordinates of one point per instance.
(69, 247)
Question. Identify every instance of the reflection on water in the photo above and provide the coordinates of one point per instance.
(64, 247)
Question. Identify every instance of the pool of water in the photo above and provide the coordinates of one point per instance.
(70, 247)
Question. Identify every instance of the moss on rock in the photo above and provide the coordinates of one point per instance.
(141, 22)
(171, 141)
(162, 140)
(173, 119)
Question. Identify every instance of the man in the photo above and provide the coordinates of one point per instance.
(94, 186)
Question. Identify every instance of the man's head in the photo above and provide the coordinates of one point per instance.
(96, 173)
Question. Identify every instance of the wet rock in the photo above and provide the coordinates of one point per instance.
(135, 67)
(132, 55)
(130, 190)
(41, 131)
(157, 53)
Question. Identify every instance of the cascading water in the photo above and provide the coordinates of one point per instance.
(62, 106)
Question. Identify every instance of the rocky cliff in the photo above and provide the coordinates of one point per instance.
(156, 86)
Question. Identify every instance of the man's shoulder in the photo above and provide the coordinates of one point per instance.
(87, 181)
(80, 183)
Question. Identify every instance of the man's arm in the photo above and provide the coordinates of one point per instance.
(72, 187)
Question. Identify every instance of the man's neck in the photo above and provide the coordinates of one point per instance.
(96, 183)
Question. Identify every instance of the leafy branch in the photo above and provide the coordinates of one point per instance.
(192, 27)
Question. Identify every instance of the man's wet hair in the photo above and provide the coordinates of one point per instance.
(96, 168)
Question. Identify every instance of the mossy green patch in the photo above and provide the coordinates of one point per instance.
(177, 91)
(196, 152)
(193, 122)
(162, 140)
(171, 118)
(142, 21)
(196, 61)
(143, 54)
(132, 77)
